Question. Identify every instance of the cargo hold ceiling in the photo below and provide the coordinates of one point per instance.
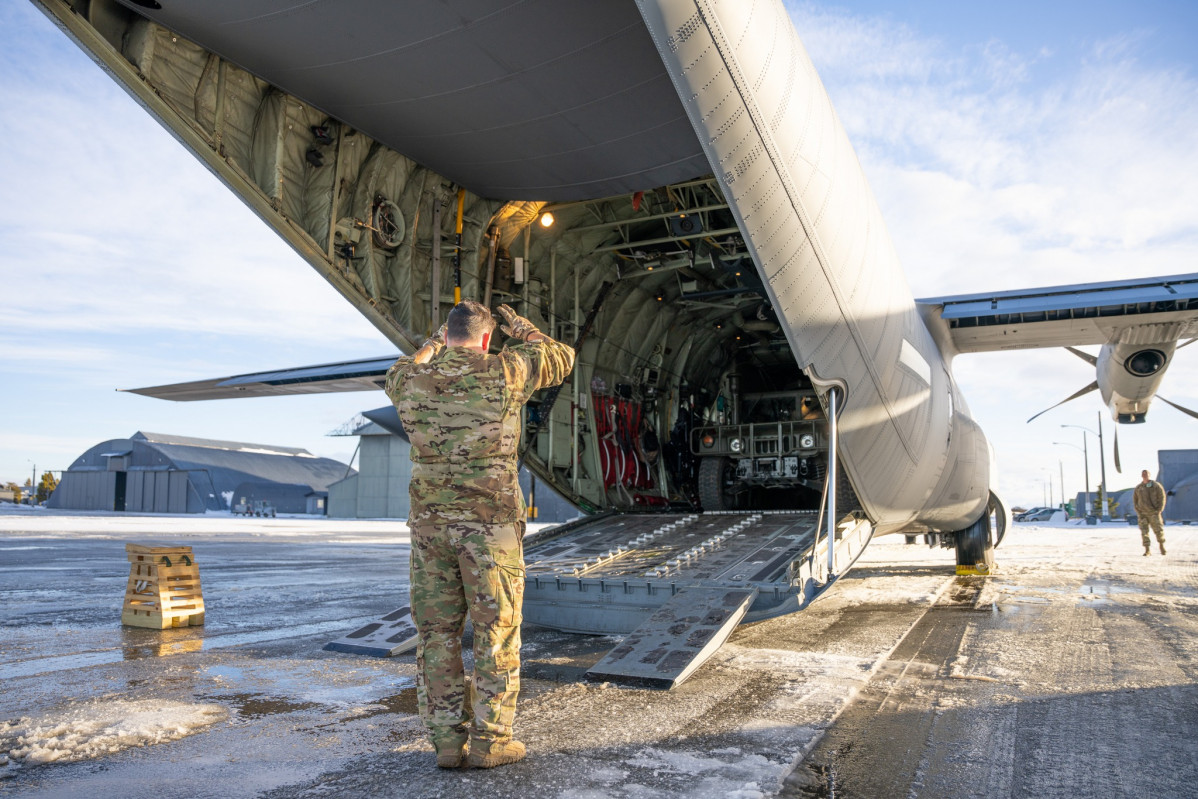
(513, 99)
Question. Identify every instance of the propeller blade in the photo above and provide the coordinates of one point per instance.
(1085, 356)
(1118, 468)
(1092, 387)
(1186, 411)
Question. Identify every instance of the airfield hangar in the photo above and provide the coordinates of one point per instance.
(156, 473)
(1178, 473)
(379, 489)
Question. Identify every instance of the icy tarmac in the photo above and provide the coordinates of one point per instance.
(1073, 671)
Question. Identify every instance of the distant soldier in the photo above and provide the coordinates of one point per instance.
(1149, 499)
(460, 407)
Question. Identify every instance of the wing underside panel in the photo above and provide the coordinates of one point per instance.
(1061, 316)
(326, 378)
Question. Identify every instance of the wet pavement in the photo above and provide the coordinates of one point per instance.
(1063, 675)
(1075, 681)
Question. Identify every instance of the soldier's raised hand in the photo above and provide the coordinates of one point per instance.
(517, 326)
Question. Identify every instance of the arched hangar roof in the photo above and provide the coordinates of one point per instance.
(227, 463)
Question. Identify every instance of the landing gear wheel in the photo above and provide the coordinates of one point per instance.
(975, 548)
(717, 476)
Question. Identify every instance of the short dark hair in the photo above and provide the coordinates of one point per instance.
(468, 321)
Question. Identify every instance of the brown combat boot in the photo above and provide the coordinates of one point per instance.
(1147, 551)
(489, 754)
(1162, 549)
(452, 755)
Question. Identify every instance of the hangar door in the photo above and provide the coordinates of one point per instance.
(157, 492)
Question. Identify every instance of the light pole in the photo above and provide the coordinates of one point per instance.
(1086, 462)
(1061, 466)
(1103, 510)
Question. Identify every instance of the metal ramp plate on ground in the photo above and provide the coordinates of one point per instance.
(393, 634)
(608, 575)
(677, 638)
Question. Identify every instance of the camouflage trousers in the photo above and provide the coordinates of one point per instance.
(1153, 519)
(461, 569)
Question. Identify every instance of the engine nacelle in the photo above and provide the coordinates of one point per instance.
(1129, 373)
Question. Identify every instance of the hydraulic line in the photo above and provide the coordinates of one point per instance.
(457, 249)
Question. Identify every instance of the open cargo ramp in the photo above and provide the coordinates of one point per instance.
(678, 585)
(675, 585)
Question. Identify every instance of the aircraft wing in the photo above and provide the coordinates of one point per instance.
(1062, 316)
(365, 375)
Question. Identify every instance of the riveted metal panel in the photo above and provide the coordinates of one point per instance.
(817, 238)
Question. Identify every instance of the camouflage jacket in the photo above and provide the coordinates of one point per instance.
(461, 411)
(1149, 498)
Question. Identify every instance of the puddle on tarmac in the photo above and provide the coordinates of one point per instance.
(1102, 587)
(256, 706)
(225, 672)
(402, 702)
(164, 645)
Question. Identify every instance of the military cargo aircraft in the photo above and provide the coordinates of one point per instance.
(664, 184)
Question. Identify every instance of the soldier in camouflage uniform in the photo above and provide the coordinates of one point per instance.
(1149, 502)
(460, 407)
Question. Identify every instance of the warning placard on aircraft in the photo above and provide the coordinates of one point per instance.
(677, 638)
(393, 634)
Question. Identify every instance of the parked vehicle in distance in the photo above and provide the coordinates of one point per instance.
(1039, 515)
(259, 507)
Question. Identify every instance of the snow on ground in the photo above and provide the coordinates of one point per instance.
(1070, 671)
(45, 523)
(40, 522)
(100, 727)
(735, 729)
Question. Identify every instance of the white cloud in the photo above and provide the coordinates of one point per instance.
(105, 215)
(994, 168)
(125, 263)
(997, 169)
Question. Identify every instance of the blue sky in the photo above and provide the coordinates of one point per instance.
(1010, 146)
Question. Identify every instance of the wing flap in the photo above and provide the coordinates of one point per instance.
(1061, 316)
(364, 375)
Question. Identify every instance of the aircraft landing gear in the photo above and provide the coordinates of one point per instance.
(975, 548)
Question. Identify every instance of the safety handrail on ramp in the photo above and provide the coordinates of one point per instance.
(811, 572)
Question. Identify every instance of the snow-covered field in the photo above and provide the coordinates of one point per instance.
(16, 520)
(249, 703)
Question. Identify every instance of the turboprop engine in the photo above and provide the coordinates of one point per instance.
(1128, 371)
(1129, 374)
